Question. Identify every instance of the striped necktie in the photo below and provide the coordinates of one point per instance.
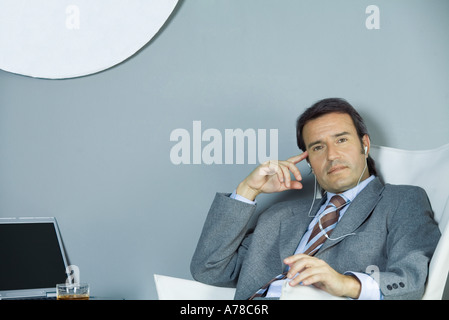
(325, 225)
(322, 229)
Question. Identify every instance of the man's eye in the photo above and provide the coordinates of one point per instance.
(317, 148)
(342, 140)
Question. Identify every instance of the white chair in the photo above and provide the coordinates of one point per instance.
(428, 169)
(171, 288)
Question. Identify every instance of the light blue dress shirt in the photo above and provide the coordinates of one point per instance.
(370, 288)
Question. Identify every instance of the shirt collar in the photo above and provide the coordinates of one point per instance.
(352, 193)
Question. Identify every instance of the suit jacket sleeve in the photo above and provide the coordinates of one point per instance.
(223, 242)
(412, 238)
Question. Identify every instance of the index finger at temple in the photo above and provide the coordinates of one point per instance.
(298, 158)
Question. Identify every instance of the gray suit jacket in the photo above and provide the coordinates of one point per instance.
(393, 226)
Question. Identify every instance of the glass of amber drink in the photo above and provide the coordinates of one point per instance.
(72, 291)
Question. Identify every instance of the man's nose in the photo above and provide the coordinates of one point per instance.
(332, 153)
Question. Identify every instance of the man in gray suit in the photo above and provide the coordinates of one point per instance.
(359, 225)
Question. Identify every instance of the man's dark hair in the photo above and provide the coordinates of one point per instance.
(331, 105)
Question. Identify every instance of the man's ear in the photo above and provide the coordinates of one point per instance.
(366, 144)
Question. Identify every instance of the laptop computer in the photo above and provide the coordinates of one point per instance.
(32, 258)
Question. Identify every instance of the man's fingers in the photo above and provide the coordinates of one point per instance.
(286, 174)
(295, 185)
(292, 167)
(294, 258)
(283, 168)
(308, 277)
(269, 168)
(299, 158)
(298, 263)
(295, 160)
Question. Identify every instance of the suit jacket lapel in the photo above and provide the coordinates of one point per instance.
(294, 227)
(357, 212)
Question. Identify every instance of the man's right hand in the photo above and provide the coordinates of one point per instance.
(272, 176)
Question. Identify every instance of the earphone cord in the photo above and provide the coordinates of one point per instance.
(314, 197)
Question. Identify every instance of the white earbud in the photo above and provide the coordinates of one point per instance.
(310, 166)
(366, 149)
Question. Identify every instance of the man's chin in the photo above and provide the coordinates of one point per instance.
(339, 185)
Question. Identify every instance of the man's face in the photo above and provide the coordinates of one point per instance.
(335, 153)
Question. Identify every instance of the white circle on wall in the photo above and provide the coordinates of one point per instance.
(58, 39)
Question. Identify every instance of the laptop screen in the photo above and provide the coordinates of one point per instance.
(30, 256)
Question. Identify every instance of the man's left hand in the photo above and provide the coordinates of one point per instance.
(314, 271)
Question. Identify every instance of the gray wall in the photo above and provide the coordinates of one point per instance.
(95, 151)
